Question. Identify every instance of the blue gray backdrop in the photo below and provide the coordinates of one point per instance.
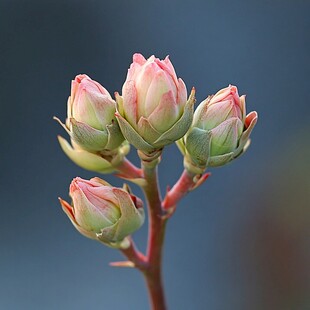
(239, 242)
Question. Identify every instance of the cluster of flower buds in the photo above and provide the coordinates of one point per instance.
(152, 112)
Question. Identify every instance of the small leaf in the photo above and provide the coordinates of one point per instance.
(87, 137)
(220, 160)
(84, 159)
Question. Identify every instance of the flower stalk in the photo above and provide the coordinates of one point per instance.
(152, 112)
(127, 170)
(151, 264)
(187, 182)
(157, 223)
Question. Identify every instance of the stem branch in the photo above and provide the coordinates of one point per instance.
(135, 256)
(187, 182)
(153, 275)
(128, 170)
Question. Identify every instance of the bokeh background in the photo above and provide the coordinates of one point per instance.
(241, 241)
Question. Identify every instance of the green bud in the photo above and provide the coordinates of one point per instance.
(219, 133)
(153, 110)
(102, 212)
(91, 121)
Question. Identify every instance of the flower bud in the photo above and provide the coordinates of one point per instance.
(102, 212)
(220, 131)
(153, 110)
(90, 121)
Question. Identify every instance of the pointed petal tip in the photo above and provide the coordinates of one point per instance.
(78, 78)
(63, 202)
(233, 89)
(254, 113)
(61, 124)
(55, 118)
(252, 117)
(192, 96)
(116, 94)
(67, 208)
(138, 58)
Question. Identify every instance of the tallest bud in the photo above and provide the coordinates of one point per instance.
(153, 110)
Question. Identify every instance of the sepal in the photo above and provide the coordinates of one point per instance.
(87, 137)
(84, 159)
(132, 136)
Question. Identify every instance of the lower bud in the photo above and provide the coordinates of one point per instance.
(102, 212)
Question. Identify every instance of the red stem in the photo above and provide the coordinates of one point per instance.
(179, 190)
(135, 256)
(187, 182)
(157, 223)
(150, 265)
(128, 170)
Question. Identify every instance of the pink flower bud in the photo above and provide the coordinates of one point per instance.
(90, 103)
(220, 131)
(100, 211)
(91, 121)
(153, 110)
(214, 110)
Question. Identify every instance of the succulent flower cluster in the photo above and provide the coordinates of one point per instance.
(152, 111)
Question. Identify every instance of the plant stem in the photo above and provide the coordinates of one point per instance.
(151, 264)
(187, 182)
(135, 256)
(179, 190)
(129, 170)
(153, 275)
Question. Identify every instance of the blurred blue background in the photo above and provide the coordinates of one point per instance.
(241, 241)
